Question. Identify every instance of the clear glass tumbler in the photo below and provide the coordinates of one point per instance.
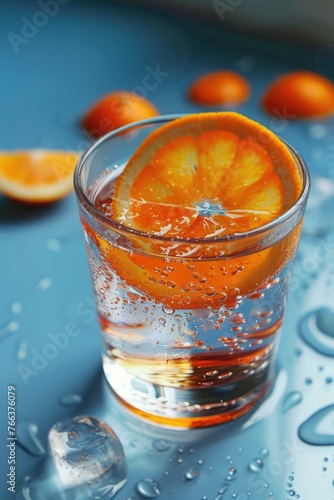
(178, 351)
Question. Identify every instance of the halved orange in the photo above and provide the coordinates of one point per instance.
(195, 180)
(219, 88)
(37, 175)
(115, 110)
(300, 94)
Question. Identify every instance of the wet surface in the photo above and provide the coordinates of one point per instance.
(50, 345)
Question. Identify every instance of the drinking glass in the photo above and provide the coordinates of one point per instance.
(177, 350)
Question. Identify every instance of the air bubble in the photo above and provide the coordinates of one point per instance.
(167, 309)
(210, 291)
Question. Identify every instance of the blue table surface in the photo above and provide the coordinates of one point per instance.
(53, 68)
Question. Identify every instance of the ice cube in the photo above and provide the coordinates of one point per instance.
(89, 458)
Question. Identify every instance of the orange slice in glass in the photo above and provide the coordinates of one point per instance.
(192, 182)
(37, 175)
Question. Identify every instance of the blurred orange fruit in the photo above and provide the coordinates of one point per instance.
(196, 179)
(219, 88)
(300, 94)
(115, 110)
(37, 175)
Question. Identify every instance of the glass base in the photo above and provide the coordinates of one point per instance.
(185, 408)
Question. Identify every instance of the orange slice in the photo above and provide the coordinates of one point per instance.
(195, 180)
(115, 110)
(219, 88)
(300, 94)
(37, 175)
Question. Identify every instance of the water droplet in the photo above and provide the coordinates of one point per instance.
(54, 245)
(222, 491)
(167, 309)
(162, 444)
(292, 399)
(22, 350)
(308, 381)
(191, 474)
(318, 429)
(71, 399)
(329, 380)
(44, 284)
(264, 452)
(25, 488)
(317, 330)
(16, 307)
(291, 493)
(318, 131)
(200, 461)
(9, 328)
(148, 488)
(28, 439)
(255, 465)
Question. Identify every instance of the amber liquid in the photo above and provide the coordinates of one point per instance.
(188, 342)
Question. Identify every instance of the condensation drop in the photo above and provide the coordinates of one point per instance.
(148, 488)
(292, 399)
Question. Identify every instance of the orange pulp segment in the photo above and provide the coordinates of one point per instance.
(300, 94)
(219, 88)
(37, 175)
(202, 177)
(115, 110)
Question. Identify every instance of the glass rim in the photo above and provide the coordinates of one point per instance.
(119, 227)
